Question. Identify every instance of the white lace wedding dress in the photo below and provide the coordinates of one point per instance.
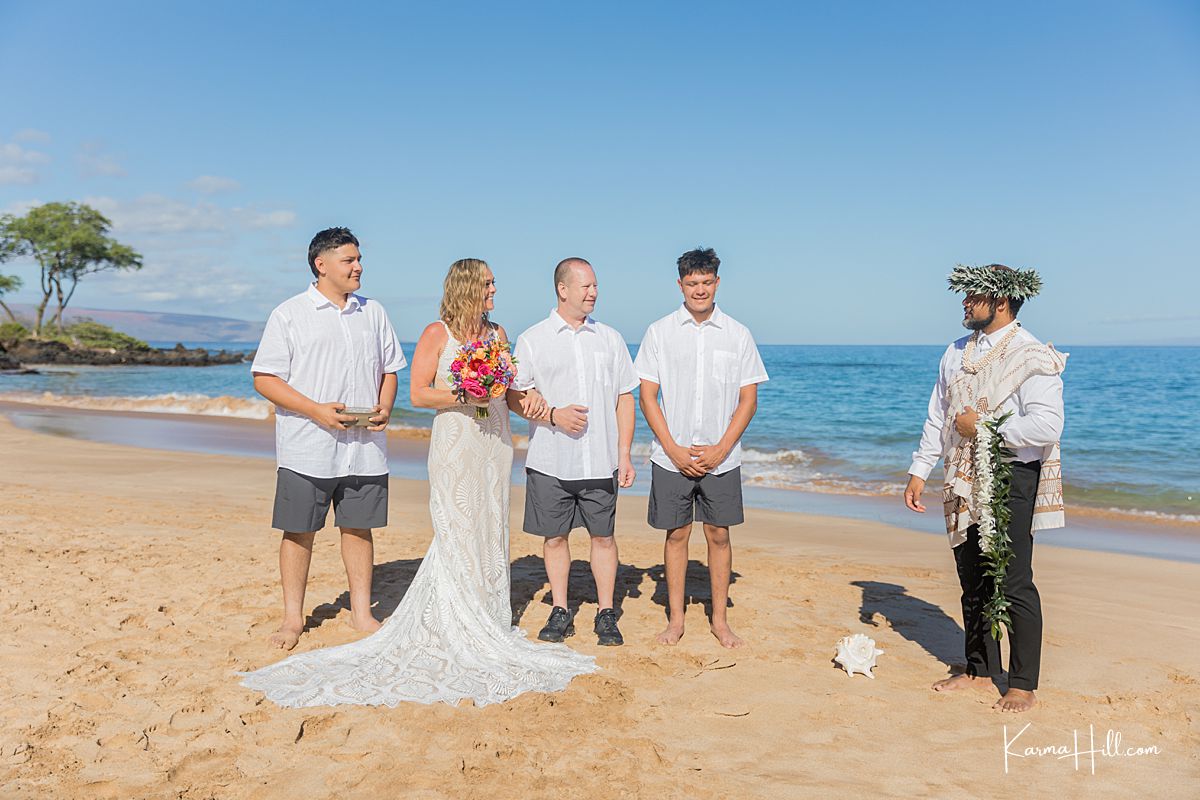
(451, 637)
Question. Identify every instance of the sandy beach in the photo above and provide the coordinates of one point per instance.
(136, 582)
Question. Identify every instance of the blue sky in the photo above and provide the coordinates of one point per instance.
(841, 158)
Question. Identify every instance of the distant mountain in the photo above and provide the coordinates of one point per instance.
(158, 326)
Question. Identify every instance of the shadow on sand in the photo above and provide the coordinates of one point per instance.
(391, 582)
(529, 578)
(388, 585)
(915, 619)
(696, 587)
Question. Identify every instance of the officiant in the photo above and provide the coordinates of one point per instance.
(996, 417)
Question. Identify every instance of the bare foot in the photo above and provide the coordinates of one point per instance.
(963, 681)
(671, 635)
(1016, 700)
(286, 637)
(725, 636)
(367, 624)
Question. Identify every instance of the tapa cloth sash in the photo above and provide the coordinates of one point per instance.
(984, 391)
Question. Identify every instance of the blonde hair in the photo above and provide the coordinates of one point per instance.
(462, 298)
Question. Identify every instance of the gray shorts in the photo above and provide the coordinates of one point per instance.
(554, 507)
(676, 500)
(302, 503)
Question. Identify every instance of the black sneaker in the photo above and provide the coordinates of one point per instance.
(558, 627)
(606, 628)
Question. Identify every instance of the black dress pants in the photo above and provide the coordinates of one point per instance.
(1025, 635)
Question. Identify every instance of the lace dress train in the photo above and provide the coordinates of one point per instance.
(451, 637)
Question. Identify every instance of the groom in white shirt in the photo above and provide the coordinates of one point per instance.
(706, 367)
(322, 351)
(579, 452)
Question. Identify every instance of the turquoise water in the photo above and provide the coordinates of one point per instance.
(832, 418)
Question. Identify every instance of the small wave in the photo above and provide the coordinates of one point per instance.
(1140, 513)
(820, 483)
(752, 456)
(171, 403)
(749, 455)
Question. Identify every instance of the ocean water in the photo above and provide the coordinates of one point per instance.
(833, 419)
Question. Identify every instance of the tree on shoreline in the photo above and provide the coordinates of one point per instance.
(68, 241)
(8, 283)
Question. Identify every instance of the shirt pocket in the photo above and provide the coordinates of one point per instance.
(725, 366)
(604, 371)
(370, 351)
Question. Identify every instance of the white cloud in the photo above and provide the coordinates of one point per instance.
(200, 256)
(19, 207)
(156, 213)
(18, 165)
(272, 219)
(158, 296)
(31, 135)
(1145, 318)
(213, 184)
(191, 276)
(194, 253)
(10, 175)
(95, 163)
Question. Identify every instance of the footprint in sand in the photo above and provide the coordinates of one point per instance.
(207, 765)
(19, 754)
(192, 717)
(254, 717)
(328, 729)
(132, 621)
(125, 742)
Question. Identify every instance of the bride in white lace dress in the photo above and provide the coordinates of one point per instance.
(451, 637)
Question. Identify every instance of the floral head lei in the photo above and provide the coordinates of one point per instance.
(996, 281)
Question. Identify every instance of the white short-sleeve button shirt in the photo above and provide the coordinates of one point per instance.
(588, 366)
(700, 369)
(329, 355)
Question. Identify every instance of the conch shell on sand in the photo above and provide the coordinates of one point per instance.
(857, 653)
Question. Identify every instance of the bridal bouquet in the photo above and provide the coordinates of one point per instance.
(482, 369)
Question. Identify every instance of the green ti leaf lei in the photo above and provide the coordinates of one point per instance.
(993, 483)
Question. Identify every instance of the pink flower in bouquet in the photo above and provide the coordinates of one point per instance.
(482, 369)
(474, 388)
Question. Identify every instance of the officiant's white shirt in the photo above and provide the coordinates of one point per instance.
(588, 366)
(329, 355)
(700, 369)
(1037, 407)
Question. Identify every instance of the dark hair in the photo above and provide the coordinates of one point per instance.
(563, 267)
(1014, 303)
(328, 239)
(699, 260)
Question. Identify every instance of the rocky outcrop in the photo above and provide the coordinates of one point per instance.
(7, 362)
(31, 351)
